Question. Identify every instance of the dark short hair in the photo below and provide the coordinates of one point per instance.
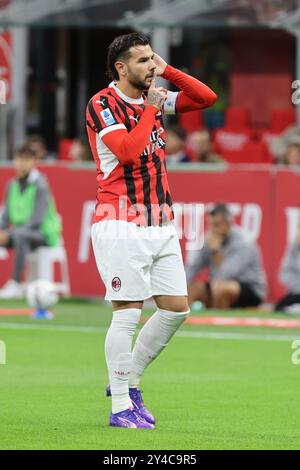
(119, 48)
(221, 209)
(25, 152)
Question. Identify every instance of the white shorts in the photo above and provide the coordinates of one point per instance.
(136, 263)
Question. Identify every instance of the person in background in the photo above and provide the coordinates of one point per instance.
(292, 155)
(38, 145)
(280, 144)
(29, 219)
(80, 151)
(290, 276)
(236, 275)
(176, 145)
(200, 144)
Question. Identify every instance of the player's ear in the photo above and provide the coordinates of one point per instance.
(121, 68)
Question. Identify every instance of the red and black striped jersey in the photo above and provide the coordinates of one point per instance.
(133, 189)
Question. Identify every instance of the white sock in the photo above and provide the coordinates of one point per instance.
(118, 355)
(152, 339)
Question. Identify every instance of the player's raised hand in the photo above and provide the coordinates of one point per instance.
(156, 96)
(160, 64)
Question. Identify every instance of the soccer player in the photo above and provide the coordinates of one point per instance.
(135, 244)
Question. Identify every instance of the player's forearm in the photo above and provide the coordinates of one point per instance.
(192, 89)
(128, 146)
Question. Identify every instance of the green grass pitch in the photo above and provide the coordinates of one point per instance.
(212, 388)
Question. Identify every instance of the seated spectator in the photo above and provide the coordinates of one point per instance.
(38, 145)
(280, 144)
(290, 277)
(292, 155)
(29, 219)
(175, 145)
(80, 151)
(236, 276)
(200, 144)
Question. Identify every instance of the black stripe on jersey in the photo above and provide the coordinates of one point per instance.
(106, 105)
(146, 187)
(129, 180)
(123, 109)
(94, 117)
(159, 187)
(117, 111)
(129, 105)
(91, 126)
(169, 201)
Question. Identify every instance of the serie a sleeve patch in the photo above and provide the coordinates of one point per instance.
(107, 117)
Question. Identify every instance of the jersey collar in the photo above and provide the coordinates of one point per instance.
(125, 97)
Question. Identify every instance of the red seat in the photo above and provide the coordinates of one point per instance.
(226, 140)
(64, 149)
(231, 139)
(237, 118)
(252, 152)
(281, 119)
(191, 121)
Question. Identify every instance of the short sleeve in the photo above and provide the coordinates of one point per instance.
(103, 116)
(170, 103)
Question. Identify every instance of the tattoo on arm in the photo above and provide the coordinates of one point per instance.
(154, 98)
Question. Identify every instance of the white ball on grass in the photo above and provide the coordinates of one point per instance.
(41, 294)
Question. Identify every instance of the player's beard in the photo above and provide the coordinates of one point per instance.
(136, 82)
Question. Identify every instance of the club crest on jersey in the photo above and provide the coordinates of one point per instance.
(116, 284)
(107, 117)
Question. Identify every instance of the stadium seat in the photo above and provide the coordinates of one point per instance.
(40, 265)
(237, 118)
(230, 140)
(191, 121)
(281, 119)
(225, 139)
(252, 152)
(64, 149)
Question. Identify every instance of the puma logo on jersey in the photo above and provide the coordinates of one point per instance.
(102, 102)
(135, 118)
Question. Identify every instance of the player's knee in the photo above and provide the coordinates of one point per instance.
(173, 303)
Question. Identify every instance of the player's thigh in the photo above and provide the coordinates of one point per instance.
(167, 271)
(124, 304)
(123, 264)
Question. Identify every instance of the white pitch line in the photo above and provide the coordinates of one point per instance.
(181, 333)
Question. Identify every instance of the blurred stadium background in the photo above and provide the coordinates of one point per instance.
(52, 60)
